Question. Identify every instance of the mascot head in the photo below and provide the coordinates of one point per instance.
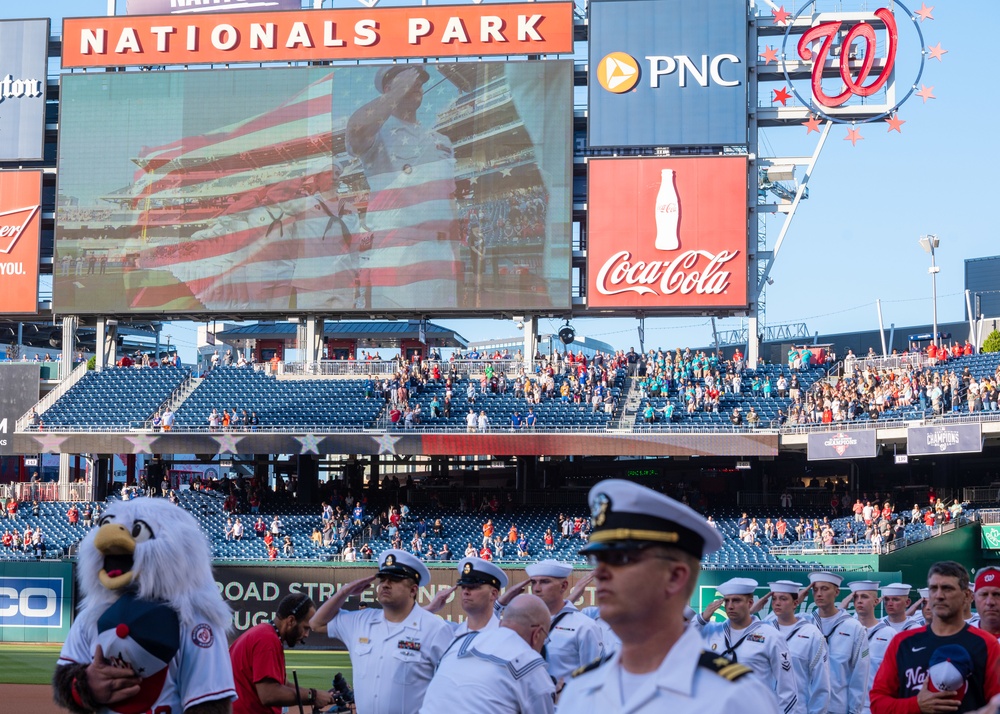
(156, 550)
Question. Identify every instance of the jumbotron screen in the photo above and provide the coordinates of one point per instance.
(381, 188)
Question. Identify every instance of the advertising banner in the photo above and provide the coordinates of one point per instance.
(183, 7)
(944, 439)
(403, 188)
(317, 35)
(991, 537)
(19, 386)
(24, 59)
(20, 233)
(668, 73)
(36, 601)
(834, 445)
(667, 234)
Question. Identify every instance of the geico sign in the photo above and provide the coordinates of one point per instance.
(701, 70)
(30, 603)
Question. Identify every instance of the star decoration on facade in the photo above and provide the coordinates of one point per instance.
(782, 95)
(924, 13)
(770, 54)
(926, 93)
(895, 123)
(142, 443)
(310, 443)
(853, 136)
(505, 172)
(49, 443)
(387, 443)
(227, 443)
(781, 16)
(936, 52)
(812, 124)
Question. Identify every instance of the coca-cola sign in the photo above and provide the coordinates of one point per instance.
(667, 234)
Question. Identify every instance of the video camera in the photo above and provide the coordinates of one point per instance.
(343, 695)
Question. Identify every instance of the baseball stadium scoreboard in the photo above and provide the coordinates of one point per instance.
(224, 167)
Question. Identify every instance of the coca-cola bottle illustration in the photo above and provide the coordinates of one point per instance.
(668, 213)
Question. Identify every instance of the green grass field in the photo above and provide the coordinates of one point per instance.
(34, 664)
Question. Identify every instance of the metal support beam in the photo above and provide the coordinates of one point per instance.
(530, 340)
(69, 325)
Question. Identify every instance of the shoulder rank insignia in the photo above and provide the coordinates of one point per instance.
(590, 667)
(723, 667)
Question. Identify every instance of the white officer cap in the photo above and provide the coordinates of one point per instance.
(476, 571)
(862, 585)
(626, 516)
(896, 589)
(549, 569)
(925, 593)
(737, 586)
(823, 576)
(689, 613)
(398, 564)
(785, 586)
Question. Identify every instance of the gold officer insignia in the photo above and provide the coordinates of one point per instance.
(390, 560)
(599, 510)
(467, 569)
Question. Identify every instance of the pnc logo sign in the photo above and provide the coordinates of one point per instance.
(618, 72)
(31, 602)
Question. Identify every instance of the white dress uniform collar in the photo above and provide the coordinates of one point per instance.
(504, 647)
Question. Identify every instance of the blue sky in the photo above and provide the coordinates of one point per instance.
(855, 239)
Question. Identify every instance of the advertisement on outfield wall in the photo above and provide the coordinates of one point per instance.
(20, 233)
(24, 60)
(667, 73)
(667, 234)
(944, 439)
(183, 7)
(832, 445)
(319, 35)
(36, 601)
(403, 188)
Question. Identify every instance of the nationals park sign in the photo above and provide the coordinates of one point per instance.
(318, 35)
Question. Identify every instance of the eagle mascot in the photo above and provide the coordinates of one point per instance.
(150, 637)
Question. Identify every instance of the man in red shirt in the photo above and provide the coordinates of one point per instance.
(258, 661)
(987, 597)
(902, 684)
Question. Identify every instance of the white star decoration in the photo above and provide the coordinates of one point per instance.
(310, 443)
(227, 443)
(386, 443)
(50, 443)
(141, 443)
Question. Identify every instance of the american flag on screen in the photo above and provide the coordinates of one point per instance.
(250, 216)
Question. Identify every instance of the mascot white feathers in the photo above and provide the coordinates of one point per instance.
(151, 632)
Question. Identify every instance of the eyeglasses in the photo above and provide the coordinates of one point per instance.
(619, 558)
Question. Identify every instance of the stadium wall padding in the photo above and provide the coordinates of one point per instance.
(36, 601)
(913, 561)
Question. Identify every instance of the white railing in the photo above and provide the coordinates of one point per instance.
(49, 399)
(50, 491)
(910, 360)
(989, 516)
(983, 493)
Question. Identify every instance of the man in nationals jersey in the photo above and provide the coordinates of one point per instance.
(902, 684)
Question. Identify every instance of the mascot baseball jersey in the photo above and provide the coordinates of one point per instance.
(148, 638)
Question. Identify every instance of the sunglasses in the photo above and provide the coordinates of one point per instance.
(620, 558)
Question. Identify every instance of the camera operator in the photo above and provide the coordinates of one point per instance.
(258, 658)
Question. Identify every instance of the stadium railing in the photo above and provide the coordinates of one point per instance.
(913, 360)
(989, 516)
(23, 423)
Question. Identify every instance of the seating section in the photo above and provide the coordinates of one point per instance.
(117, 397)
(59, 535)
(499, 408)
(280, 403)
(766, 407)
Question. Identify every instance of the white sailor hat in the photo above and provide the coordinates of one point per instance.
(476, 571)
(626, 516)
(785, 586)
(925, 593)
(399, 564)
(862, 585)
(896, 589)
(823, 576)
(737, 586)
(689, 613)
(548, 569)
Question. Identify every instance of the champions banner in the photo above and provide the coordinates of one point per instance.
(832, 445)
(944, 439)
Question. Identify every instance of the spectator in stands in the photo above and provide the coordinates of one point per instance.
(229, 529)
(445, 553)
(276, 527)
(366, 552)
(753, 418)
(12, 509)
(522, 546)
(73, 515)
(88, 515)
(259, 527)
(317, 537)
(237, 529)
(471, 421)
(438, 528)
(214, 420)
(288, 547)
(485, 553)
(350, 553)
(736, 418)
(549, 540)
(272, 552)
(470, 550)
(483, 422)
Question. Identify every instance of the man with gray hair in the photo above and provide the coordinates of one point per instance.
(497, 670)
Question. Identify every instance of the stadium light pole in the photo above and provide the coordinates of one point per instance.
(929, 243)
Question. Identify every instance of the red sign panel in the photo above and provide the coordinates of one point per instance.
(316, 35)
(20, 228)
(667, 234)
